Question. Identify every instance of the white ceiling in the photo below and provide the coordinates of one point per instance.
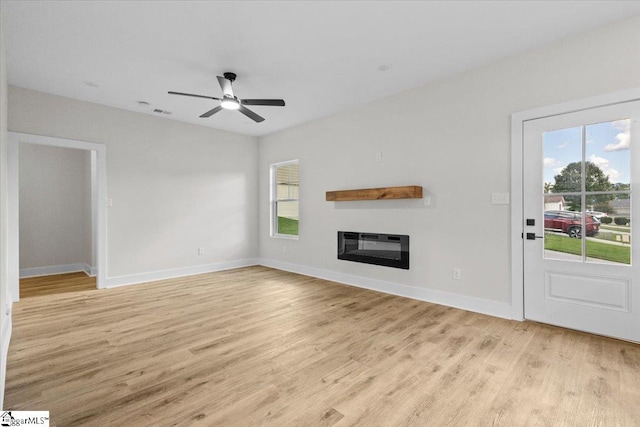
(321, 57)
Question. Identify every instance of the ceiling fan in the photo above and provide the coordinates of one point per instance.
(231, 102)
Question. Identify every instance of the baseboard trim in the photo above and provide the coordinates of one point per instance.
(52, 269)
(477, 305)
(90, 271)
(132, 279)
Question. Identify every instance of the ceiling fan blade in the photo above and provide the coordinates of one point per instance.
(211, 112)
(272, 102)
(253, 116)
(226, 86)
(191, 94)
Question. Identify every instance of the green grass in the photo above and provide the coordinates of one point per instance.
(615, 227)
(604, 251)
(287, 226)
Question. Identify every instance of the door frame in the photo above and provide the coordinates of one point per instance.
(99, 153)
(517, 179)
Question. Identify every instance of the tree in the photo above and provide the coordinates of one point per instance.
(548, 187)
(569, 181)
(622, 187)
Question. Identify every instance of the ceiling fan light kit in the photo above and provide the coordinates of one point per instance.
(231, 102)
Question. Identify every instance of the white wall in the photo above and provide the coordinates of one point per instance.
(55, 207)
(175, 187)
(453, 138)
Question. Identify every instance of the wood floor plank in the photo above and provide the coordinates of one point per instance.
(257, 346)
(56, 284)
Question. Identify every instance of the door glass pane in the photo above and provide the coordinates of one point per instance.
(562, 172)
(608, 156)
(607, 148)
(562, 235)
(612, 242)
(561, 157)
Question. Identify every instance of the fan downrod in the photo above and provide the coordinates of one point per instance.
(230, 76)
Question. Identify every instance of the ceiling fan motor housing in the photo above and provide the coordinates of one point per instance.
(230, 76)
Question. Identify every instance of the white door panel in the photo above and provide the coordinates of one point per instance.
(580, 272)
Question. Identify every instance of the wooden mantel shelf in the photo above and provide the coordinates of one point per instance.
(384, 193)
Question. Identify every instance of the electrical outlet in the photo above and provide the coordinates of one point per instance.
(200, 251)
(284, 248)
(457, 274)
(379, 156)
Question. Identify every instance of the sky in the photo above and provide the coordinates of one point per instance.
(607, 145)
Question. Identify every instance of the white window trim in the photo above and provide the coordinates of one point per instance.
(273, 218)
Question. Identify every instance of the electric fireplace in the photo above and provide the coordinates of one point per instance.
(390, 250)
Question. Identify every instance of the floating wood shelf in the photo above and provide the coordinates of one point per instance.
(384, 193)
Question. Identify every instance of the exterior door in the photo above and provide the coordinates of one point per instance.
(580, 264)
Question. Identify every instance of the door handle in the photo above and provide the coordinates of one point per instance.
(532, 236)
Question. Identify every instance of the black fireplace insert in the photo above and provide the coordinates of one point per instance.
(390, 250)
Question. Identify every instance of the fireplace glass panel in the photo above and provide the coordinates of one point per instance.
(374, 248)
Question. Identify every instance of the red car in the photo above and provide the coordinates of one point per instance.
(570, 222)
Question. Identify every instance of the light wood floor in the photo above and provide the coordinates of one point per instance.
(56, 284)
(257, 346)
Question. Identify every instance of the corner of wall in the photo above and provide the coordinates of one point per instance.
(5, 300)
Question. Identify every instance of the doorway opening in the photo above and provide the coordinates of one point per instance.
(96, 227)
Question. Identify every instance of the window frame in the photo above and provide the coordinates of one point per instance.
(273, 190)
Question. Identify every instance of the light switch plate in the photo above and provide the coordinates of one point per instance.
(499, 198)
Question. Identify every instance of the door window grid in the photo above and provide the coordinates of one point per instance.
(592, 173)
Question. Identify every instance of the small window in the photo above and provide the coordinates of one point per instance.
(285, 193)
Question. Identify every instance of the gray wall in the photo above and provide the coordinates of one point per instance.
(55, 206)
(453, 138)
(175, 187)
